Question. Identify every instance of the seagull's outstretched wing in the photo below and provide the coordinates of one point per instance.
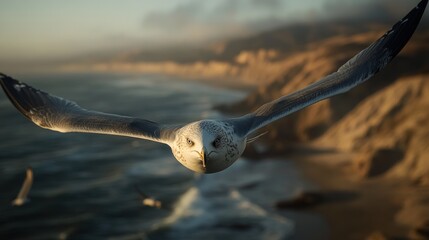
(58, 114)
(354, 72)
(26, 186)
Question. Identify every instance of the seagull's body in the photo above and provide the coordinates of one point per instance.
(149, 201)
(21, 199)
(209, 146)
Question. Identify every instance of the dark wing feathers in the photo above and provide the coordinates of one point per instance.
(62, 115)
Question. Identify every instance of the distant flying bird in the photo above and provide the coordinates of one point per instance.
(209, 146)
(149, 201)
(21, 199)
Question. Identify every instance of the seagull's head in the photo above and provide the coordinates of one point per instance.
(205, 147)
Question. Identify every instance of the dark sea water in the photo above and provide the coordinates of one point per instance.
(84, 184)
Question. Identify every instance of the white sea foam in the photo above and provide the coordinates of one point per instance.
(216, 207)
(183, 208)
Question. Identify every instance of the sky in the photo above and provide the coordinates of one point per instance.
(47, 29)
(52, 30)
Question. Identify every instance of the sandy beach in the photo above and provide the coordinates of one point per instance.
(354, 208)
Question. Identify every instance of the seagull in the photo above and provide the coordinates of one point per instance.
(149, 201)
(211, 145)
(21, 199)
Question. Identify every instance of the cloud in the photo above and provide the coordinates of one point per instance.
(380, 10)
(196, 20)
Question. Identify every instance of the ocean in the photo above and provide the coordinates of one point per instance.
(85, 184)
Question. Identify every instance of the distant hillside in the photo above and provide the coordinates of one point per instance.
(297, 37)
(285, 40)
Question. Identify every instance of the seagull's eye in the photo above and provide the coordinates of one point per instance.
(189, 142)
(216, 142)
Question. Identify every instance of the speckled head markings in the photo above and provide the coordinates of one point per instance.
(207, 146)
(210, 146)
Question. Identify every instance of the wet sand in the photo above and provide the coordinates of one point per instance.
(353, 208)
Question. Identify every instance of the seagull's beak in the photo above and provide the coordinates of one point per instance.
(203, 156)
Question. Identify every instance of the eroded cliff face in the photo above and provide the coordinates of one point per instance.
(389, 131)
(385, 121)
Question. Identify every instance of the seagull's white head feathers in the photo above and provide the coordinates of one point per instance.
(207, 146)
